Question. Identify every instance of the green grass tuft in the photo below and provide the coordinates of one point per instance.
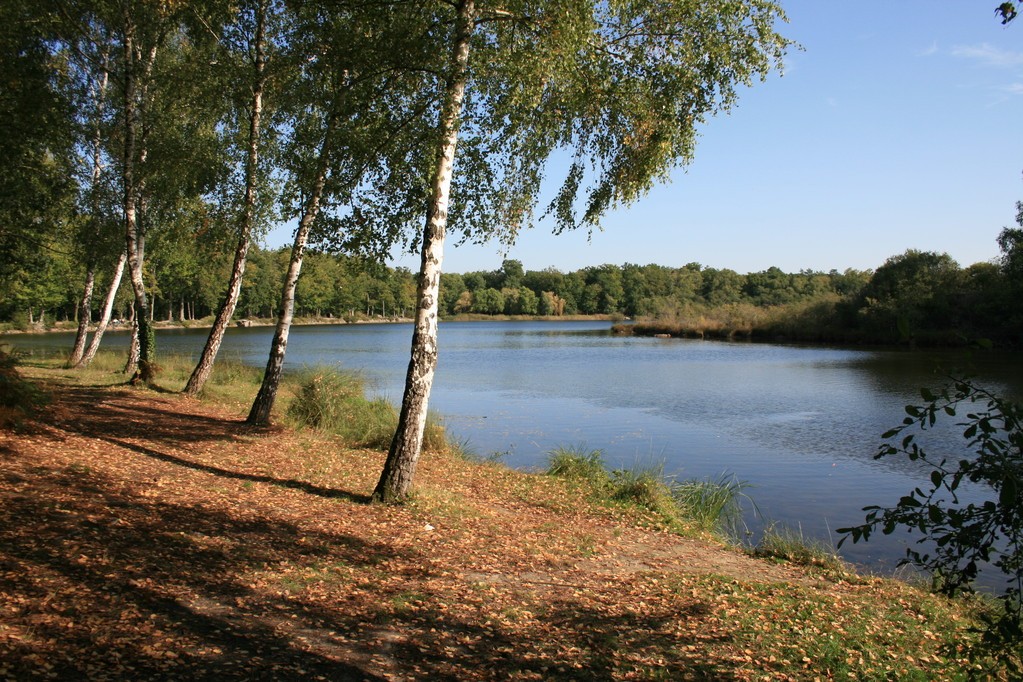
(790, 545)
(336, 402)
(711, 505)
(647, 488)
(714, 504)
(577, 463)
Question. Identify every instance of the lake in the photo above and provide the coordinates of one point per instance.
(798, 424)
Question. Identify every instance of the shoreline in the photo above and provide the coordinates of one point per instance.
(71, 327)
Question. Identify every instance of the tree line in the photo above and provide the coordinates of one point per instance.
(921, 295)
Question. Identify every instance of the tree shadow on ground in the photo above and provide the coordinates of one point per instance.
(100, 579)
(115, 418)
(573, 640)
(101, 583)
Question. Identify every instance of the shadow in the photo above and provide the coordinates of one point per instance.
(573, 640)
(99, 413)
(304, 486)
(101, 583)
(100, 579)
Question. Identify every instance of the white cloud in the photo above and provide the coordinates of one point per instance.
(1014, 89)
(929, 51)
(989, 54)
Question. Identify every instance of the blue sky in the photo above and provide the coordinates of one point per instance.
(895, 127)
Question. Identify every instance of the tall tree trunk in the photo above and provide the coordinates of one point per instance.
(259, 415)
(204, 367)
(131, 364)
(98, 90)
(134, 155)
(406, 447)
(108, 308)
(84, 315)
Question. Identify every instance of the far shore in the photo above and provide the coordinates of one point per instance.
(206, 323)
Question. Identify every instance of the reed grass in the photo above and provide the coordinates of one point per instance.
(814, 320)
(712, 505)
(336, 402)
(791, 545)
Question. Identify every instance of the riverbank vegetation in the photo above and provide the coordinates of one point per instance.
(917, 297)
(187, 544)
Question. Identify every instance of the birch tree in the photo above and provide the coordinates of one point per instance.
(620, 85)
(96, 107)
(252, 24)
(88, 41)
(141, 40)
(105, 313)
(356, 103)
(169, 154)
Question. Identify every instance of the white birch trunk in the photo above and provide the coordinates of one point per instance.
(99, 90)
(204, 367)
(84, 315)
(134, 233)
(262, 406)
(108, 309)
(406, 447)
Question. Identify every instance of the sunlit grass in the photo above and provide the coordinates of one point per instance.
(792, 546)
(712, 505)
(884, 631)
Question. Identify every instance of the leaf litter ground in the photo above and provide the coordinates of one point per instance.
(149, 536)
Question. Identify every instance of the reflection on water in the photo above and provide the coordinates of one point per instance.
(800, 424)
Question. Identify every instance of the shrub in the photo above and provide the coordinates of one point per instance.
(961, 539)
(336, 402)
(18, 397)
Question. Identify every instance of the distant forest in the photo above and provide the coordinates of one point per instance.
(918, 296)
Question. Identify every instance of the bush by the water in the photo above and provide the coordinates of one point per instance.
(335, 401)
(959, 539)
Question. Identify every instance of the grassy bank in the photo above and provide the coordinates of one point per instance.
(145, 535)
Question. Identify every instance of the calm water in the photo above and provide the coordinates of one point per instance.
(799, 424)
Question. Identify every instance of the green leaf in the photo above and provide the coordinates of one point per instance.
(1009, 493)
